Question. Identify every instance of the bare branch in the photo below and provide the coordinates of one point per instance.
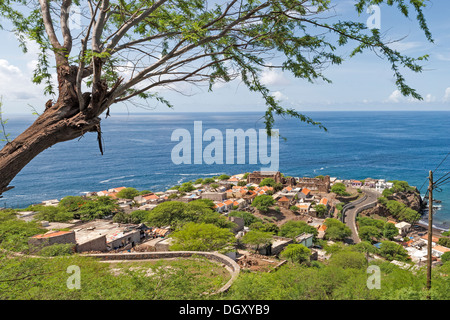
(65, 25)
(48, 24)
(134, 20)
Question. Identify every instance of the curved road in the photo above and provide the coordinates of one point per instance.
(351, 213)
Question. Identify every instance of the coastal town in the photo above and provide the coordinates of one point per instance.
(306, 203)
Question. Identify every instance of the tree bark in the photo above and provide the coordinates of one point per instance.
(60, 122)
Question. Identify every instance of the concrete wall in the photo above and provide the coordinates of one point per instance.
(97, 244)
(126, 239)
(38, 243)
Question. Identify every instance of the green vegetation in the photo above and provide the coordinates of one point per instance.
(248, 217)
(445, 257)
(55, 250)
(263, 202)
(340, 189)
(257, 239)
(223, 177)
(294, 209)
(176, 214)
(97, 208)
(296, 253)
(202, 237)
(348, 259)
(444, 241)
(52, 214)
(199, 181)
(393, 251)
(321, 210)
(369, 233)
(72, 203)
(399, 186)
(127, 193)
(208, 180)
(186, 187)
(292, 229)
(336, 230)
(14, 233)
(401, 212)
(267, 182)
(265, 227)
(45, 279)
(372, 230)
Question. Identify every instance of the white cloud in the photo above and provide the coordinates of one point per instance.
(279, 96)
(12, 82)
(395, 97)
(272, 77)
(429, 98)
(446, 97)
(405, 46)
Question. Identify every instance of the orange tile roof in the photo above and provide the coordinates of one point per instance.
(306, 191)
(119, 189)
(112, 194)
(51, 234)
(322, 227)
(324, 201)
(151, 197)
(228, 202)
(433, 239)
(284, 199)
(441, 248)
(288, 188)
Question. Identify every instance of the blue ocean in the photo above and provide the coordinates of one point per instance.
(138, 148)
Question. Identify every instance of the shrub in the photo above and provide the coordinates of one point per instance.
(339, 189)
(296, 253)
(54, 250)
(127, 193)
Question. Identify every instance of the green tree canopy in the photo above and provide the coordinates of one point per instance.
(321, 210)
(263, 202)
(201, 237)
(336, 230)
(296, 253)
(127, 193)
(348, 259)
(257, 239)
(72, 203)
(393, 251)
(267, 182)
(339, 189)
(292, 229)
(97, 208)
(369, 233)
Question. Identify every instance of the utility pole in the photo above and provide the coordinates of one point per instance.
(430, 231)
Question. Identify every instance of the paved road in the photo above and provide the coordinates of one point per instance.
(350, 214)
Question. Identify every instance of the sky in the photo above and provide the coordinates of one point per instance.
(364, 82)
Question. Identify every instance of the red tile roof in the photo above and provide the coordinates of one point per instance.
(51, 234)
(284, 199)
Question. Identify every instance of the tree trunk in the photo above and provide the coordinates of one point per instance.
(60, 122)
